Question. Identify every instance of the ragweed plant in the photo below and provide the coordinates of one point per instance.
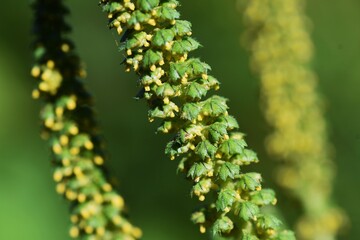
(278, 37)
(211, 153)
(97, 211)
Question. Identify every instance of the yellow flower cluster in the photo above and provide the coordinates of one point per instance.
(69, 126)
(278, 38)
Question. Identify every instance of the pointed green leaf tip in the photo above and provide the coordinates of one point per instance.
(195, 91)
(151, 58)
(190, 111)
(217, 131)
(162, 37)
(225, 199)
(222, 225)
(199, 169)
(147, 5)
(233, 147)
(228, 170)
(250, 181)
(263, 197)
(205, 150)
(268, 222)
(248, 210)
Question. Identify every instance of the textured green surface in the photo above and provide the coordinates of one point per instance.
(30, 208)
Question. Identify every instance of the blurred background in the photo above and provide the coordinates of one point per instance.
(158, 198)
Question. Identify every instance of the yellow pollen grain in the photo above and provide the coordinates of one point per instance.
(116, 220)
(35, 94)
(74, 232)
(74, 151)
(128, 52)
(136, 232)
(59, 111)
(60, 188)
(100, 231)
(151, 22)
(107, 187)
(98, 198)
(71, 195)
(153, 68)
(50, 64)
(147, 88)
(166, 100)
(119, 30)
(57, 149)
(81, 197)
(74, 130)
(127, 227)
(65, 47)
(65, 162)
(98, 160)
(71, 104)
(74, 218)
(202, 198)
(43, 86)
(57, 176)
(64, 140)
(35, 71)
(89, 229)
(89, 145)
(117, 201)
(202, 229)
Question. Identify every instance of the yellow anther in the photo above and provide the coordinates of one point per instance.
(89, 145)
(74, 151)
(146, 44)
(197, 179)
(98, 160)
(168, 46)
(60, 188)
(68, 171)
(65, 162)
(78, 171)
(100, 231)
(65, 47)
(127, 228)
(192, 146)
(210, 174)
(107, 187)
(35, 71)
(59, 111)
(130, 5)
(50, 64)
(201, 198)
(184, 80)
(204, 76)
(110, 15)
(189, 33)
(258, 188)
(81, 197)
(147, 88)
(151, 119)
(200, 117)
(74, 130)
(98, 198)
(153, 68)
(218, 155)
(71, 195)
(64, 140)
(137, 233)
(137, 26)
(166, 100)
(172, 158)
(57, 176)
(274, 201)
(85, 213)
(35, 94)
(158, 82)
(161, 62)
(172, 115)
(57, 149)
(172, 22)
(128, 52)
(227, 209)
(202, 229)
(74, 232)
(117, 201)
(226, 137)
(89, 229)
(74, 218)
(116, 24)
(151, 22)
(43, 86)
(71, 103)
(116, 220)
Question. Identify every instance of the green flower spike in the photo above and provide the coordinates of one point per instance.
(278, 38)
(97, 211)
(211, 153)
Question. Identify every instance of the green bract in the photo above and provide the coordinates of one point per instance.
(179, 90)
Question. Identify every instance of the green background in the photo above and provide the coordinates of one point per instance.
(158, 198)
